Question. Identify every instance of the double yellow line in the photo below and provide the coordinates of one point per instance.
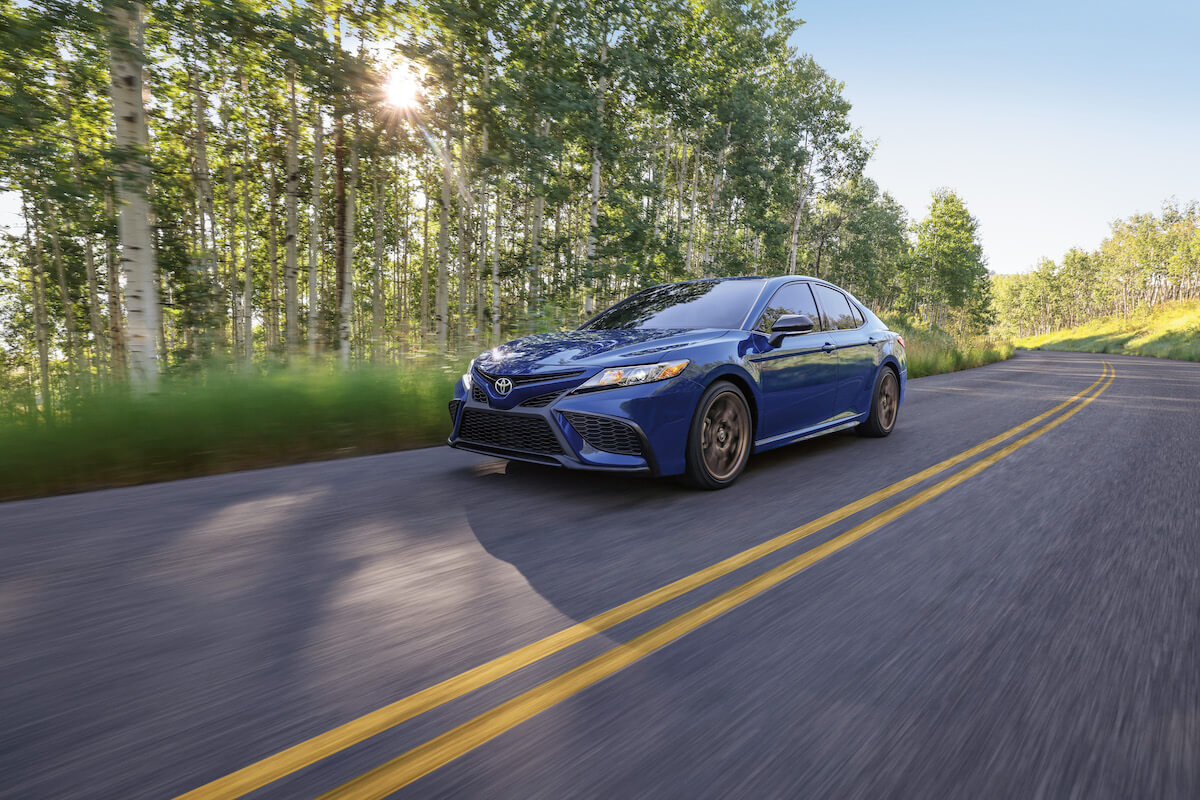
(399, 772)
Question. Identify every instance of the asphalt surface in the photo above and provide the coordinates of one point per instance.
(1032, 632)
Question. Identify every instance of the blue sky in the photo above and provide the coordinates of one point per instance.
(1049, 119)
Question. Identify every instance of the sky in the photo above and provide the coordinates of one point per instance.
(1050, 119)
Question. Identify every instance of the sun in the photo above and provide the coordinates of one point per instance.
(402, 89)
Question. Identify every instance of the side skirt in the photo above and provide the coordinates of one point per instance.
(799, 436)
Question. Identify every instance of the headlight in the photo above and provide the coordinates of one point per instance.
(466, 378)
(627, 376)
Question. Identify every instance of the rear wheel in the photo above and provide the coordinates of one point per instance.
(720, 438)
(885, 405)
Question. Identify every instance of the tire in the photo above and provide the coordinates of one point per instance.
(885, 405)
(720, 439)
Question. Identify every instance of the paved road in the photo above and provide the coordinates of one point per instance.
(1031, 632)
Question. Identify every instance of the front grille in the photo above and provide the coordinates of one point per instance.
(453, 411)
(522, 380)
(609, 435)
(508, 431)
(478, 394)
(542, 400)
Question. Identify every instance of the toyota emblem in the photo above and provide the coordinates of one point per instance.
(503, 386)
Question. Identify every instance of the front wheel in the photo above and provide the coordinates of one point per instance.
(720, 438)
(885, 405)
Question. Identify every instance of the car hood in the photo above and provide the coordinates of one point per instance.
(541, 351)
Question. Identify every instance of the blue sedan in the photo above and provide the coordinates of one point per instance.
(687, 379)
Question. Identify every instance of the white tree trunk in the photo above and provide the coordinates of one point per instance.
(377, 293)
(314, 232)
(496, 274)
(133, 185)
(291, 302)
(441, 307)
(247, 243)
(347, 308)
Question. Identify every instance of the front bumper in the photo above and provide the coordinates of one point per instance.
(624, 429)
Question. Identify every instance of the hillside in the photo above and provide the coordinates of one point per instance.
(1171, 330)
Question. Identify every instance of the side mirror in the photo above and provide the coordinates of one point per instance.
(789, 324)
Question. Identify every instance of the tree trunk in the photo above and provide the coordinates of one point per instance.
(73, 351)
(85, 224)
(424, 322)
(346, 308)
(314, 233)
(247, 242)
(291, 301)
(339, 212)
(443, 274)
(687, 259)
(231, 268)
(480, 280)
(794, 244)
(273, 258)
(377, 293)
(594, 212)
(133, 184)
(496, 274)
(535, 243)
(116, 330)
(41, 326)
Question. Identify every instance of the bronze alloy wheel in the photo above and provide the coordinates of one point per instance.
(725, 437)
(888, 400)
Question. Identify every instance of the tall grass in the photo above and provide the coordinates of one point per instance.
(1171, 330)
(220, 423)
(932, 351)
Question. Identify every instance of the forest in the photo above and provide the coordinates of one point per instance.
(1147, 260)
(228, 186)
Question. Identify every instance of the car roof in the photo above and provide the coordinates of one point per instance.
(770, 279)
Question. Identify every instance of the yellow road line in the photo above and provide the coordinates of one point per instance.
(272, 768)
(403, 770)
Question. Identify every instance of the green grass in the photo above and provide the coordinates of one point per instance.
(1171, 330)
(932, 351)
(223, 422)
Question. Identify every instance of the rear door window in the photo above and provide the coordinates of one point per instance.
(791, 298)
(836, 308)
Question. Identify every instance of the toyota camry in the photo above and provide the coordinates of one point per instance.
(687, 379)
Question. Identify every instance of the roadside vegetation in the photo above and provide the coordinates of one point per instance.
(932, 351)
(199, 426)
(1171, 330)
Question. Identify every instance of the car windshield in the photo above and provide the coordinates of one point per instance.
(696, 304)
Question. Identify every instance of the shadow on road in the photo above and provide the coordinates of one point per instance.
(586, 541)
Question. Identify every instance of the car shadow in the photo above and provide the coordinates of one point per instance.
(587, 541)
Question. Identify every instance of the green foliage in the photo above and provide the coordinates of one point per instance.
(954, 276)
(1170, 330)
(221, 423)
(1146, 260)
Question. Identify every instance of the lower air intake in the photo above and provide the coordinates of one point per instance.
(609, 435)
(508, 431)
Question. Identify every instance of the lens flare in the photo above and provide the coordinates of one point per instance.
(402, 89)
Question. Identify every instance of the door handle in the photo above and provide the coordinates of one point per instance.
(828, 347)
(873, 340)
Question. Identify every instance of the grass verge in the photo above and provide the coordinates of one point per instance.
(222, 424)
(1171, 330)
(932, 351)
